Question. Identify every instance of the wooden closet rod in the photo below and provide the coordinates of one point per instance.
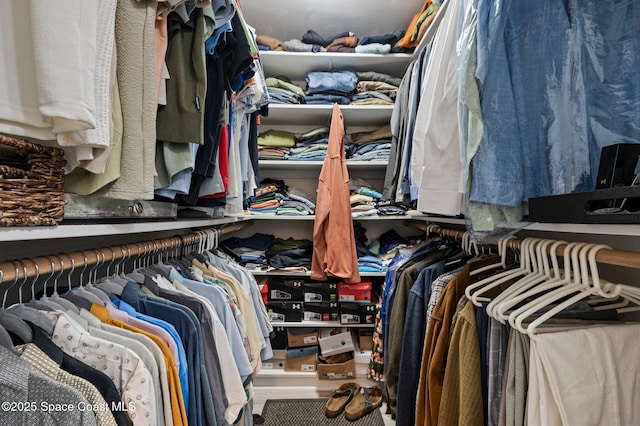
(105, 255)
(628, 259)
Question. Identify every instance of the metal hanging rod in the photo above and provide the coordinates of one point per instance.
(628, 259)
(49, 264)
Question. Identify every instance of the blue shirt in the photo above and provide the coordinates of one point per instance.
(183, 366)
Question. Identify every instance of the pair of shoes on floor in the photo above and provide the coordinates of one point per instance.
(354, 400)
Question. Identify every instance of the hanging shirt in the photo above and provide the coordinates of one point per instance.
(334, 248)
(122, 365)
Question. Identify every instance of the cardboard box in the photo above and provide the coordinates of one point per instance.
(290, 290)
(336, 344)
(306, 363)
(341, 371)
(320, 292)
(279, 338)
(275, 363)
(357, 313)
(357, 292)
(362, 362)
(365, 339)
(285, 311)
(297, 337)
(324, 311)
(298, 352)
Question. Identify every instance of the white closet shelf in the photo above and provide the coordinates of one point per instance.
(306, 274)
(296, 65)
(319, 324)
(312, 217)
(305, 165)
(354, 115)
(77, 230)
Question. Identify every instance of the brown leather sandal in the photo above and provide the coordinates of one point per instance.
(339, 399)
(364, 402)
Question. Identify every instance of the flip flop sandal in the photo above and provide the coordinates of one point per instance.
(364, 402)
(339, 399)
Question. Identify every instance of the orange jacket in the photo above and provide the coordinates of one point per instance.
(334, 247)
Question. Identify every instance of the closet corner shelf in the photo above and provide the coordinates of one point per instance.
(312, 217)
(31, 233)
(354, 115)
(296, 65)
(303, 165)
(319, 324)
(305, 274)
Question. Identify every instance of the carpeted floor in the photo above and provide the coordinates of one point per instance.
(310, 412)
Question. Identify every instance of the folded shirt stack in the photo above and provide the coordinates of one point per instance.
(251, 250)
(370, 263)
(275, 144)
(364, 201)
(268, 197)
(296, 204)
(373, 145)
(283, 91)
(290, 253)
(375, 88)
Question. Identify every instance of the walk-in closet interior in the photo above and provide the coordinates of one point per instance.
(279, 212)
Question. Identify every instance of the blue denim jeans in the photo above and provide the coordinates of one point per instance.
(341, 81)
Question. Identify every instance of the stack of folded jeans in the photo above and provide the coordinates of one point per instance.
(373, 145)
(310, 146)
(282, 91)
(251, 250)
(380, 44)
(329, 87)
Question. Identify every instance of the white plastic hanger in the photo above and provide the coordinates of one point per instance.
(554, 279)
(573, 285)
(541, 274)
(589, 274)
(494, 281)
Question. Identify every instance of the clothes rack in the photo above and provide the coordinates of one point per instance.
(43, 265)
(623, 258)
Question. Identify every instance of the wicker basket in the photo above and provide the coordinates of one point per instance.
(31, 183)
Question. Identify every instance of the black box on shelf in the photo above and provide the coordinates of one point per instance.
(285, 289)
(324, 311)
(320, 292)
(284, 311)
(357, 313)
(279, 338)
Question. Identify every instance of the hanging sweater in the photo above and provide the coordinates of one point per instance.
(334, 249)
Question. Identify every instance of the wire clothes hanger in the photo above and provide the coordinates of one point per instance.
(28, 313)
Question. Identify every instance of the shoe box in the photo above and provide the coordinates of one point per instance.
(279, 338)
(320, 292)
(357, 313)
(277, 361)
(280, 311)
(301, 359)
(330, 370)
(365, 339)
(320, 311)
(285, 290)
(300, 337)
(335, 341)
(356, 292)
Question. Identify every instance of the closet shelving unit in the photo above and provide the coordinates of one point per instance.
(362, 17)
